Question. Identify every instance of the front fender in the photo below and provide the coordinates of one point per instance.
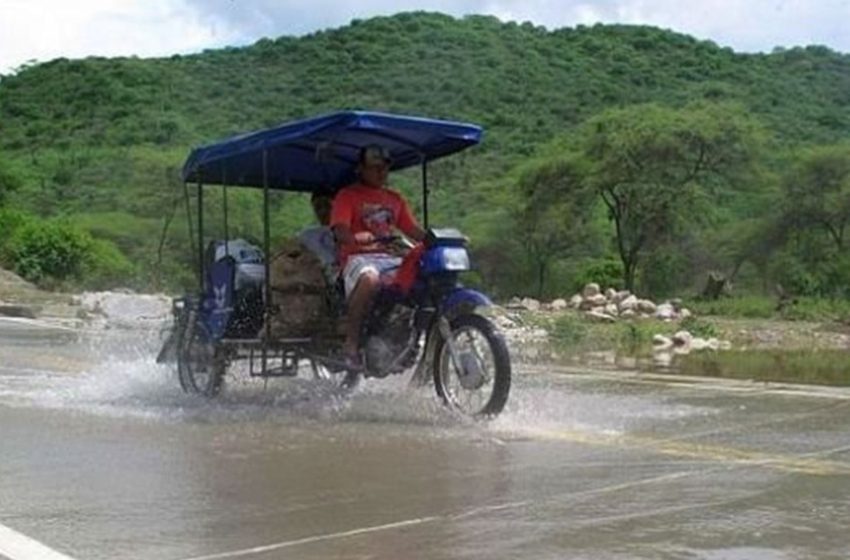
(463, 300)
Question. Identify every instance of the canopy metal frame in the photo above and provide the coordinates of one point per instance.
(426, 140)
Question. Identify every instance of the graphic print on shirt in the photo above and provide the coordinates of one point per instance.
(377, 218)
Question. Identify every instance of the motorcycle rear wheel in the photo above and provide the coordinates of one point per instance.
(480, 386)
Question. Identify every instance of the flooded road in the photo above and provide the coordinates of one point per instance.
(102, 456)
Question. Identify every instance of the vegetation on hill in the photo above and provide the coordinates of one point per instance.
(626, 154)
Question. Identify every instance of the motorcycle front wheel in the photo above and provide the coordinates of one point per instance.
(200, 366)
(473, 374)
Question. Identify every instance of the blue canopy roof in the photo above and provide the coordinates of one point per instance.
(320, 153)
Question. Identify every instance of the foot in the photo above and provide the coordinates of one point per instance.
(353, 369)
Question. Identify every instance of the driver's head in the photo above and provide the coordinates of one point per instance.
(374, 165)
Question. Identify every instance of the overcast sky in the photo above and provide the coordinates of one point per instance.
(46, 29)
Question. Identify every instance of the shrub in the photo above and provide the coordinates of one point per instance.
(817, 309)
(699, 327)
(750, 307)
(607, 273)
(42, 251)
(10, 222)
(53, 252)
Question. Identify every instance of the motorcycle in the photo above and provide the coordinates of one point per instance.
(424, 319)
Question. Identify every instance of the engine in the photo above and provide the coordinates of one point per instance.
(390, 347)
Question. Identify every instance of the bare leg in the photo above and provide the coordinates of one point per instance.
(358, 304)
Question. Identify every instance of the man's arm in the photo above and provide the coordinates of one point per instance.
(417, 233)
(407, 223)
(343, 236)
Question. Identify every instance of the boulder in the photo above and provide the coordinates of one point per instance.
(665, 311)
(559, 304)
(575, 301)
(621, 295)
(661, 342)
(514, 303)
(702, 344)
(590, 290)
(629, 303)
(628, 314)
(610, 294)
(646, 306)
(530, 304)
(593, 301)
(611, 309)
(600, 316)
(683, 338)
(685, 313)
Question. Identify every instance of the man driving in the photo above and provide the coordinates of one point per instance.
(364, 216)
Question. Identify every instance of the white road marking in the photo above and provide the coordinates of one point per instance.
(433, 518)
(318, 538)
(16, 546)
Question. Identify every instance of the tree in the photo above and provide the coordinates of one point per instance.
(657, 169)
(817, 191)
(10, 181)
(553, 217)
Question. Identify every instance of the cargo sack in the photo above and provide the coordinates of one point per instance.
(298, 288)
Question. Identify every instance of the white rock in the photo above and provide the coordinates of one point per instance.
(685, 313)
(621, 295)
(611, 309)
(559, 304)
(646, 306)
(591, 289)
(628, 314)
(610, 294)
(683, 338)
(600, 316)
(661, 342)
(594, 301)
(700, 344)
(530, 304)
(575, 301)
(713, 343)
(665, 311)
(630, 302)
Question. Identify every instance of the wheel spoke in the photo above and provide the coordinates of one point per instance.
(473, 400)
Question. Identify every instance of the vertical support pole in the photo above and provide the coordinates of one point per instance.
(201, 235)
(267, 251)
(425, 193)
(189, 223)
(224, 204)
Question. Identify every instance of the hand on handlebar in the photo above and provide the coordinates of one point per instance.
(364, 237)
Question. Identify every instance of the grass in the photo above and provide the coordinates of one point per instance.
(571, 330)
(760, 307)
(819, 367)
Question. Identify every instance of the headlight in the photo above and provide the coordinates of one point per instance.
(455, 258)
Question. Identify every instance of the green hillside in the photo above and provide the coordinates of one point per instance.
(98, 142)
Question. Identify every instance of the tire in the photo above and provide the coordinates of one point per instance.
(482, 389)
(200, 366)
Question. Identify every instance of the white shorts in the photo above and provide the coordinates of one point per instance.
(381, 264)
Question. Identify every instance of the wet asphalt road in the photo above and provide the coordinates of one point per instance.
(101, 457)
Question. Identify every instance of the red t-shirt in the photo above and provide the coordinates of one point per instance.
(365, 208)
